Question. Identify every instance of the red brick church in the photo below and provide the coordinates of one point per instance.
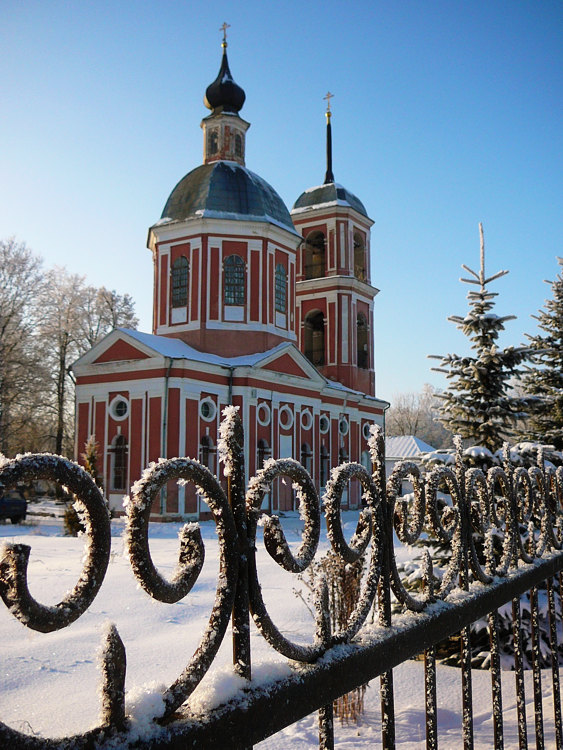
(253, 305)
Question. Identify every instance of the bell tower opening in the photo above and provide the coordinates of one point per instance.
(362, 342)
(314, 256)
(360, 265)
(315, 338)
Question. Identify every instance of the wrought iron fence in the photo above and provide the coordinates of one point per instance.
(504, 531)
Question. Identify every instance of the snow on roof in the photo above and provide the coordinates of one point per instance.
(326, 204)
(319, 187)
(234, 216)
(405, 446)
(177, 349)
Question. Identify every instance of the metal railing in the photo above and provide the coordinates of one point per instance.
(504, 531)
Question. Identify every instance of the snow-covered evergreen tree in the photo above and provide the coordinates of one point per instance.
(543, 382)
(477, 403)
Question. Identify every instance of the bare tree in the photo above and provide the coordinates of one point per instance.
(417, 414)
(20, 368)
(47, 320)
(105, 310)
(60, 329)
(74, 317)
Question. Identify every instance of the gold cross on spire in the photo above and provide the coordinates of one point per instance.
(328, 97)
(224, 28)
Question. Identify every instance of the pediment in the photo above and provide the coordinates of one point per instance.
(287, 364)
(120, 351)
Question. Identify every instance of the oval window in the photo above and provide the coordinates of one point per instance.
(306, 419)
(119, 408)
(207, 410)
(286, 418)
(263, 414)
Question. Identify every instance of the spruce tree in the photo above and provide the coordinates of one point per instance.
(477, 403)
(543, 382)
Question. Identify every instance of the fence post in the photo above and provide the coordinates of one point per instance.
(241, 617)
(384, 600)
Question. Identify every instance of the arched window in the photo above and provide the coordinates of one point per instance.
(262, 454)
(315, 338)
(179, 285)
(325, 468)
(362, 341)
(281, 289)
(233, 280)
(306, 458)
(314, 261)
(238, 145)
(360, 271)
(119, 463)
(207, 453)
(342, 456)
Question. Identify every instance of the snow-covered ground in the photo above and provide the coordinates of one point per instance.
(49, 682)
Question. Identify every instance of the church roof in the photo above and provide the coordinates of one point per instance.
(175, 348)
(225, 189)
(329, 194)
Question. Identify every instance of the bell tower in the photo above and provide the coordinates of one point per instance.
(334, 294)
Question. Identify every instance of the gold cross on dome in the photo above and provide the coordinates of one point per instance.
(224, 28)
(328, 97)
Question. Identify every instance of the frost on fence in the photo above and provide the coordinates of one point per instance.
(492, 523)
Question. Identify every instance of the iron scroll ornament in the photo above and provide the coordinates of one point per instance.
(522, 508)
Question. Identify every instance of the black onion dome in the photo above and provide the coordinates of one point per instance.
(226, 190)
(331, 193)
(224, 94)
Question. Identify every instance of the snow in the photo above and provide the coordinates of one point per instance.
(209, 213)
(178, 349)
(327, 204)
(478, 451)
(50, 681)
(319, 187)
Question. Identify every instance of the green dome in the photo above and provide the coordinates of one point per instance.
(226, 190)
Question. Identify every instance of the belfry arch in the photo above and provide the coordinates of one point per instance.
(314, 256)
(314, 338)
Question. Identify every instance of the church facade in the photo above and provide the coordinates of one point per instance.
(254, 306)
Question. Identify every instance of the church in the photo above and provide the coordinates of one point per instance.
(253, 305)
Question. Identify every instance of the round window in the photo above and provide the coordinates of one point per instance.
(343, 426)
(263, 414)
(207, 410)
(286, 418)
(119, 408)
(365, 430)
(324, 424)
(306, 419)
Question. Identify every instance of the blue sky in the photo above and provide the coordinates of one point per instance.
(445, 114)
